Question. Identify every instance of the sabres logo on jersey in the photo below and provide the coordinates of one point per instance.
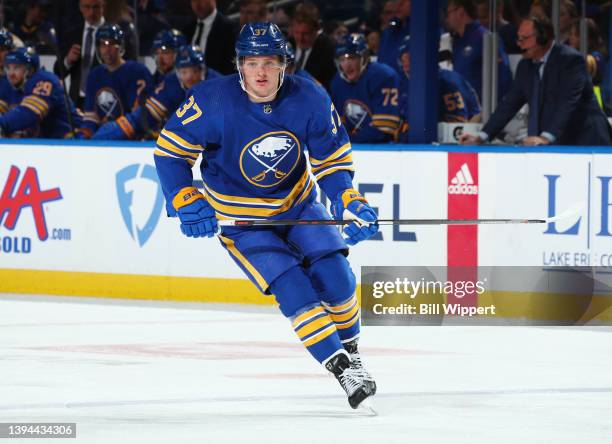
(355, 112)
(109, 105)
(267, 160)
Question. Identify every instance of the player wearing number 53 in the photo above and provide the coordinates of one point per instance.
(252, 130)
(35, 97)
(116, 87)
(365, 93)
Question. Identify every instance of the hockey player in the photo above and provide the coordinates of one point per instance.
(365, 93)
(115, 87)
(39, 104)
(251, 129)
(458, 100)
(165, 48)
(190, 70)
(6, 91)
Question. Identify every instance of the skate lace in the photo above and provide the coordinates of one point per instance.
(358, 366)
(351, 379)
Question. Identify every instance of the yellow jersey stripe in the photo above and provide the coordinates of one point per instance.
(347, 158)
(324, 173)
(159, 152)
(153, 112)
(180, 141)
(173, 148)
(385, 117)
(231, 247)
(338, 153)
(158, 105)
(42, 107)
(33, 108)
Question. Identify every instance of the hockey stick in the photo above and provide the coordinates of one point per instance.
(571, 211)
(272, 222)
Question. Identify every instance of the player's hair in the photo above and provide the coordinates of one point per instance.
(544, 30)
(468, 6)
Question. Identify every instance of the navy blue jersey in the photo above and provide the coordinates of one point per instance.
(254, 159)
(467, 59)
(111, 94)
(458, 101)
(167, 97)
(39, 110)
(158, 77)
(369, 107)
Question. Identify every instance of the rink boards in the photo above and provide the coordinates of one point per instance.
(89, 218)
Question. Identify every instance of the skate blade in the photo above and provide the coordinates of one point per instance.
(367, 407)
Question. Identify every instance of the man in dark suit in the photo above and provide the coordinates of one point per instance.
(214, 34)
(314, 50)
(553, 79)
(77, 49)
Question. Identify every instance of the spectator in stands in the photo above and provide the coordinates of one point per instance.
(314, 50)
(165, 48)
(77, 49)
(506, 29)
(35, 30)
(458, 101)
(8, 95)
(467, 33)
(214, 34)
(365, 93)
(567, 15)
(252, 11)
(373, 41)
(150, 22)
(291, 65)
(37, 103)
(336, 30)
(387, 12)
(146, 121)
(119, 13)
(597, 55)
(540, 8)
(553, 79)
(116, 87)
(392, 37)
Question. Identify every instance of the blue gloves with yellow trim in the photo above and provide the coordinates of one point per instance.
(197, 216)
(350, 204)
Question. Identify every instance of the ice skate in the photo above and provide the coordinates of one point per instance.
(351, 379)
(351, 348)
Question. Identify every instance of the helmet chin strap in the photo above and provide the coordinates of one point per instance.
(281, 78)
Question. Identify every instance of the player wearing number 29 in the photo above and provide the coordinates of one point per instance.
(116, 87)
(251, 130)
(32, 100)
(365, 93)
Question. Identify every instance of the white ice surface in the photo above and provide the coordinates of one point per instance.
(164, 373)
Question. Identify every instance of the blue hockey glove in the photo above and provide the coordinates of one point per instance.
(197, 216)
(109, 131)
(350, 204)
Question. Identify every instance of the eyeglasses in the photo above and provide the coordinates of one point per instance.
(522, 39)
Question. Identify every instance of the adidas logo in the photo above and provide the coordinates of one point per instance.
(463, 183)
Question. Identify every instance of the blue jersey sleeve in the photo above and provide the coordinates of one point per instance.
(329, 147)
(178, 147)
(452, 106)
(91, 120)
(33, 108)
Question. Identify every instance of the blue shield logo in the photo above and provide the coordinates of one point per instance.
(140, 200)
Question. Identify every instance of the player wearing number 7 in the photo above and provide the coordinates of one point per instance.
(35, 97)
(261, 120)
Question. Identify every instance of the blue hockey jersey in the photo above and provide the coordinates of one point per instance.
(110, 94)
(254, 160)
(168, 95)
(39, 110)
(369, 107)
(458, 101)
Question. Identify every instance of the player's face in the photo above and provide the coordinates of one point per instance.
(405, 61)
(92, 10)
(526, 39)
(3, 52)
(110, 52)
(574, 38)
(190, 76)
(262, 75)
(164, 57)
(351, 67)
(16, 74)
